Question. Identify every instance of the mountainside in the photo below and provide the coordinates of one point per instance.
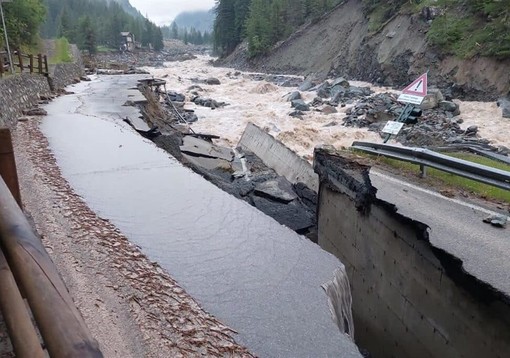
(199, 20)
(345, 42)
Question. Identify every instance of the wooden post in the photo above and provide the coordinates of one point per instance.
(20, 61)
(31, 57)
(8, 164)
(40, 63)
(1, 65)
(46, 69)
(19, 324)
(61, 325)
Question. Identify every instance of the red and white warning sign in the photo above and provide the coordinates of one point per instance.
(415, 92)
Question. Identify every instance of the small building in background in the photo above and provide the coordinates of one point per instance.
(127, 41)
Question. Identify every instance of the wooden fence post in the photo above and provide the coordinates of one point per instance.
(31, 58)
(20, 61)
(46, 65)
(8, 164)
(40, 63)
(1, 66)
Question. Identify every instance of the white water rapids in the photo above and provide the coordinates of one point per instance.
(264, 104)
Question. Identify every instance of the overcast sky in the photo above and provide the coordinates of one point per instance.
(162, 12)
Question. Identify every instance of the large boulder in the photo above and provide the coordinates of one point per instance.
(293, 96)
(212, 81)
(504, 103)
(432, 99)
(450, 106)
(300, 105)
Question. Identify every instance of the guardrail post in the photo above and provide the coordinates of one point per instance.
(8, 164)
(423, 171)
(31, 58)
(1, 66)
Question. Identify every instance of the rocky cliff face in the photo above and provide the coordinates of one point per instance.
(342, 44)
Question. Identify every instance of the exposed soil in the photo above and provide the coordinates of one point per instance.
(342, 44)
(132, 307)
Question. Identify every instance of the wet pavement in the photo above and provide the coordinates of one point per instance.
(454, 226)
(258, 277)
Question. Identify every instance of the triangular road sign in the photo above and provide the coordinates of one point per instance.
(418, 87)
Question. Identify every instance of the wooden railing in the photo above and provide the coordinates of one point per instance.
(24, 63)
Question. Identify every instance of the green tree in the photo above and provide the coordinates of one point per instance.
(87, 37)
(23, 18)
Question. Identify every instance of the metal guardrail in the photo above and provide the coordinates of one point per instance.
(27, 271)
(427, 158)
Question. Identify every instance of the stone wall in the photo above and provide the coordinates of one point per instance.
(23, 91)
(410, 299)
(20, 92)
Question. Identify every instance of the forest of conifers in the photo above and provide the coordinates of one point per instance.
(87, 23)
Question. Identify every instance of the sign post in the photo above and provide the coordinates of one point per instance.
(5, 34)
(411, 95)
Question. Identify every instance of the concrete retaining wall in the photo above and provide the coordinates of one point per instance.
(278, 157)
(410, 299)
(20, 92)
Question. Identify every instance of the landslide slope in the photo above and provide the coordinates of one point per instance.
(344, 42)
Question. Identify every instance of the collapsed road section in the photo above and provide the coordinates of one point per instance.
(428, 278)
(257, 276)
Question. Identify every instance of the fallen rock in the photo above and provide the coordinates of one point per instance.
(432, 99)
(504, 103)
(300, 105)
(306, 85)
(329, 110)
(176, 97)
(449, 106)
(496, 220)
(213, 81)
(293, 96)
(34, 112)
(471, 130)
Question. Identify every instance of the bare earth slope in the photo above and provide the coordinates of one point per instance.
(340, 44)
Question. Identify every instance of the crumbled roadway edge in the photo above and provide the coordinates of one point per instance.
(132, 307)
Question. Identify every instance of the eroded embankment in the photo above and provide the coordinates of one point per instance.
(344, 43)
(410, 297)
(246, 172)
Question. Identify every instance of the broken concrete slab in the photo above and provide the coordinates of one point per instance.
(293, 215)
(209, 163)
(199, 147)
(278, 189)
